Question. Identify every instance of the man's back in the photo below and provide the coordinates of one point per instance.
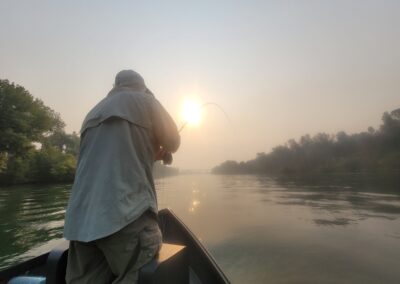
(113, 183)
(109, 218)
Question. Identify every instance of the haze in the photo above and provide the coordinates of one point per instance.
(279, 69)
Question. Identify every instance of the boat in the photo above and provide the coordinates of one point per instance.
(182, 259)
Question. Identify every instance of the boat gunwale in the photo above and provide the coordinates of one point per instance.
(191, 237)
(40, 262)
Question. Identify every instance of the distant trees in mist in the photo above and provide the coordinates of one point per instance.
(373, 151)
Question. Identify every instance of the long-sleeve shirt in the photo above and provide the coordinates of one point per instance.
(113, 182)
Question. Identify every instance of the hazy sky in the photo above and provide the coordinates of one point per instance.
(280, 69)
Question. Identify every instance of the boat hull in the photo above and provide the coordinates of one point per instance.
(202, 266)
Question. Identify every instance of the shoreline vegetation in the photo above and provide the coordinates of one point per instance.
(34, 147)
(375, 152)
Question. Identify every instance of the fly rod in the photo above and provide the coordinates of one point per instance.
(167, 158)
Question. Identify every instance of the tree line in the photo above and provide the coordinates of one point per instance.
(34, 146)
(373, 151)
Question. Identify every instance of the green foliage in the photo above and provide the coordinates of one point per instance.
(3, 162)
(18, 170)
(23, 119)
(24, 123)
(50, 164)
(374, 151)
(66, 143)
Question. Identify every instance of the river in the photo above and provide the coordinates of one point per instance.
(259, 230)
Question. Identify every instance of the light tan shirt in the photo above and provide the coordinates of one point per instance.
(113, 183)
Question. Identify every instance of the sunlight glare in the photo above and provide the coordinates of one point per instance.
(191, 112)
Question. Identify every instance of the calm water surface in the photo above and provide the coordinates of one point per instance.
(259, 230)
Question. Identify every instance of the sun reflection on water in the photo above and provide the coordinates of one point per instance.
(194, 205)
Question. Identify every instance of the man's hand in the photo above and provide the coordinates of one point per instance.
(167, 159)
(160, 154)
(163, 155)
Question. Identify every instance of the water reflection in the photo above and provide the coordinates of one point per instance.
(263, 230)
(193, 206)
(338, 203)
(260, 229)
(29, 216)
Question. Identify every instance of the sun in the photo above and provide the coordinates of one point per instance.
(191, 112)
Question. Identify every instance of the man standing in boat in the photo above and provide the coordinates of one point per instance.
(111, 219)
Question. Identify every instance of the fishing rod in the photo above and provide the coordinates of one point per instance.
(167, 158)
(203, 106)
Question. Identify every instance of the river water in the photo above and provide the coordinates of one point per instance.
(259, 230)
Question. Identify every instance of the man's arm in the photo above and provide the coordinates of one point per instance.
(165, 129)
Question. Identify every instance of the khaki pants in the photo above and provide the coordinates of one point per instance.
(116, 258)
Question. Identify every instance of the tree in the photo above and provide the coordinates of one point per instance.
(50, 164)
(23, 120)
(396, 114)
(375, 151)
(65, 143)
